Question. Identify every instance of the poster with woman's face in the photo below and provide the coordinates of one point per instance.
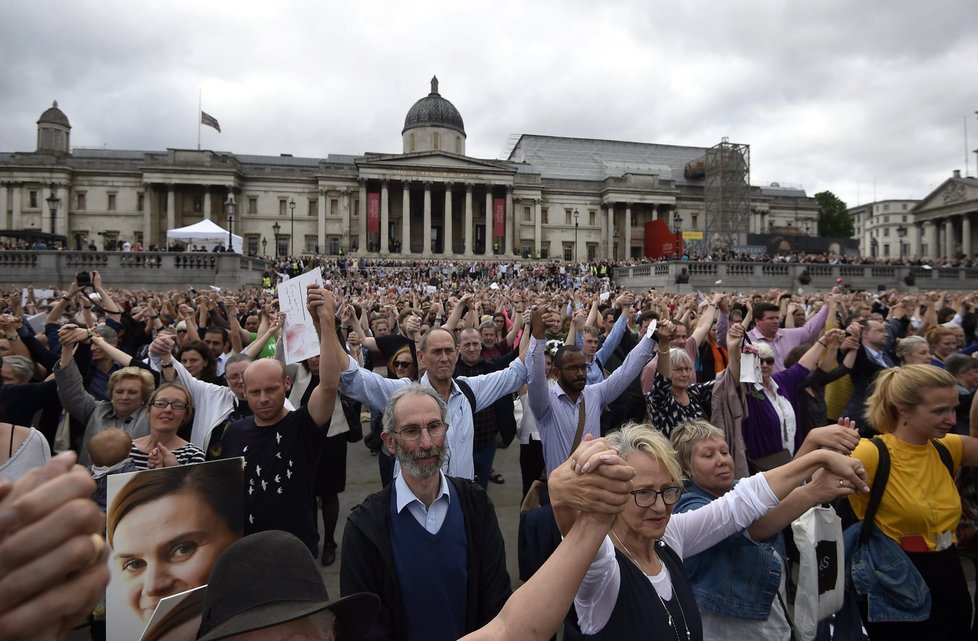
(166, 528)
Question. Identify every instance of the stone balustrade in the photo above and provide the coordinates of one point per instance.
(131, 270)
(738, 276)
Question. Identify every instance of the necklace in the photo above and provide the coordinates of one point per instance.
(671, 621)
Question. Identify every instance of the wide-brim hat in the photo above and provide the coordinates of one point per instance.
(270, 578)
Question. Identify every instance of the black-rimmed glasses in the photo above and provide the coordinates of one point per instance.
(413, 432)
(176, 405)
(646, 498)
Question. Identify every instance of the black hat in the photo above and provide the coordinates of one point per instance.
(269, 578)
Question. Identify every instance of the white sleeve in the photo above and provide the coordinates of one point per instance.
(596, 598)
(692, 532)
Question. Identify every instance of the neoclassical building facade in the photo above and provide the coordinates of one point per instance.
(546, 196)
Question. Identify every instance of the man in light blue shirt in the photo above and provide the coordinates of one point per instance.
(557, 408)
(437, 353)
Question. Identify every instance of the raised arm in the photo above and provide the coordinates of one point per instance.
(322, 305)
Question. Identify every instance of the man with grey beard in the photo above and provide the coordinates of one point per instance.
(428, 545)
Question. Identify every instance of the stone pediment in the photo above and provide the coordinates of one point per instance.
(428, 161)
(953, 193)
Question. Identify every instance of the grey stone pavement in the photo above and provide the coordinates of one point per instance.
(362, 479)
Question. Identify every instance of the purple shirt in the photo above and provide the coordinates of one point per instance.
(762, 425)
(789, 338)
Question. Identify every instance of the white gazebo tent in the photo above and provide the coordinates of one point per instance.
(206, 234)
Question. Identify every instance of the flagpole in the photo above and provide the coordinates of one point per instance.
(200, 107)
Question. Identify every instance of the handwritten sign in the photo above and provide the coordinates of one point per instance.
(299, 333)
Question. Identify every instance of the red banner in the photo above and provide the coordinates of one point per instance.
(373, 213)
(499, 217)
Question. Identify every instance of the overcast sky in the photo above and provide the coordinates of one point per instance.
(866, 99)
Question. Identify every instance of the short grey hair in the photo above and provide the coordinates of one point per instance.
(22, 367)
(414, 389)
(764, 350)
(679, 356)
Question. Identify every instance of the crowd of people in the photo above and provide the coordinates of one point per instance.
(671, 439)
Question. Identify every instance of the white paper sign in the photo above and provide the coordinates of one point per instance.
(750, 368)
(299, 333)
(39, 295)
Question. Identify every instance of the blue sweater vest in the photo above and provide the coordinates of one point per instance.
(431, 572)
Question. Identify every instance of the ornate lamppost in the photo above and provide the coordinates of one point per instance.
(53, 202)
(276, 228)
(677, 229)
(229, 206)
(576, 216)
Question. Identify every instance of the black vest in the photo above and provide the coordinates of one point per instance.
(638, 613)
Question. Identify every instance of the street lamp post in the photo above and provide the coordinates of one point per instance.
(264, 246)
(53, 202)
(276, 228)
(874, 246)
(576, 216)
(229, 206)
(901, 234)
(617, 237)
(677, 229)
(292, 220)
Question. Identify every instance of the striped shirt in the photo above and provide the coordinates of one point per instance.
(189, 453)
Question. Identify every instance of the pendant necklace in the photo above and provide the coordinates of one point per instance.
(669, 618)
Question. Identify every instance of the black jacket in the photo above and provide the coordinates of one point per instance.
(368, 563)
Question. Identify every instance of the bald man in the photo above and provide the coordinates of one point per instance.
(281, 447)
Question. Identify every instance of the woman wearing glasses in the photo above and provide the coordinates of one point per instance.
(676, 397)
(637, 586)
(170, 407)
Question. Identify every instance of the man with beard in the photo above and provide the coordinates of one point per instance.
(565, 412)
(428, 545)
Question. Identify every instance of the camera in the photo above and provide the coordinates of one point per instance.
(84, 279)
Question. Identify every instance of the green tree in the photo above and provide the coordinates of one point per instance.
(834, 220)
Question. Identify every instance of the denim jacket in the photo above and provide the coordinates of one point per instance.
(880, 573)
(737, 577)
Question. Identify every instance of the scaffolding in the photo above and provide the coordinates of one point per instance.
(727, 197)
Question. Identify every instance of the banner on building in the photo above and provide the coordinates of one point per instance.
(499, 217)
(373, 213)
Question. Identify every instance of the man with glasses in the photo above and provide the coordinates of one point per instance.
(437, 354)
(428, 544)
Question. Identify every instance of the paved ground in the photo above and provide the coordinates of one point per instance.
(363, 479)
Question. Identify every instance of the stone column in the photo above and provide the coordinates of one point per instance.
(966, 235)
(61, 223)
(15, 217)
(321, 221)
(628, 232)
(426, 221)
(362, 240)
(3, 205)
(537, 227)
(385, 216)
(207, 204)
(510, 220)
(490, 237)
(147, 215)
(468, 219)
(446, 243)
(171, 207)
(346, 207)
(47, 225)
(930, 233)
(405, 218)
(611, 231)
(949, 241)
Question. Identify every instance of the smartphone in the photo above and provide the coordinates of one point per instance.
(84, 279)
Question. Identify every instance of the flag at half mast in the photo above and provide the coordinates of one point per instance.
(209, 120)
